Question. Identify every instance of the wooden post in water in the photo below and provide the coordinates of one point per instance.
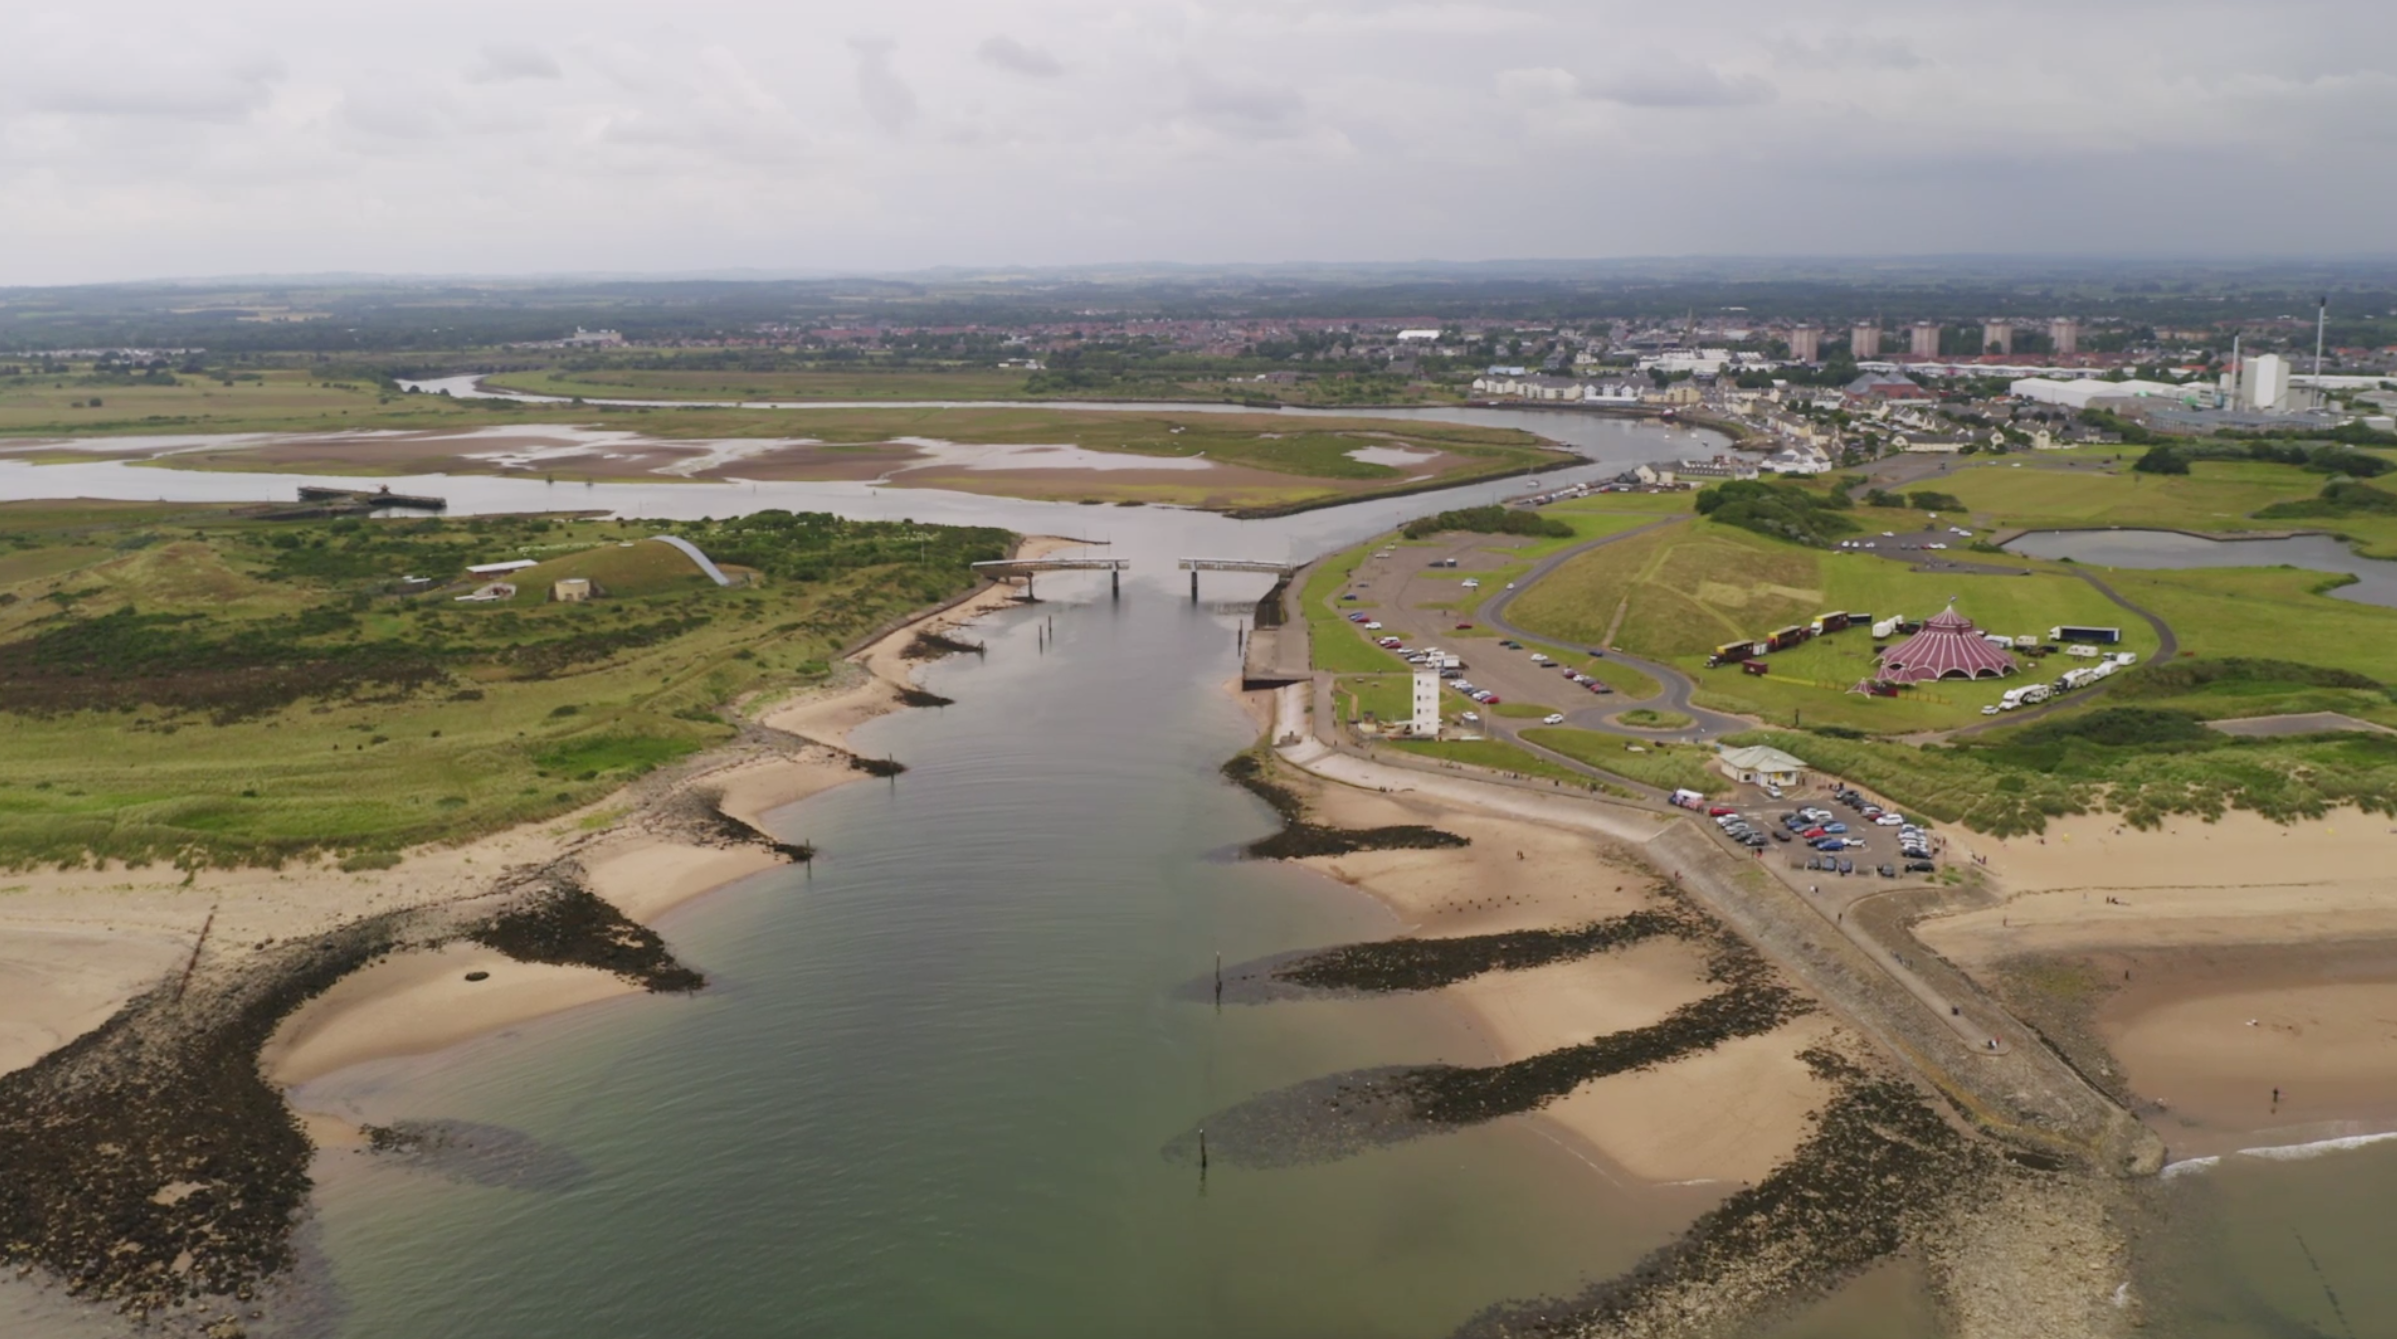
(1219, 980)
(1202, 1157)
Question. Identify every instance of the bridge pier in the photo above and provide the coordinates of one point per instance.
(1194, 585)
(1115, 583)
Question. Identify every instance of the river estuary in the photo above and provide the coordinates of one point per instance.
(927, 1090)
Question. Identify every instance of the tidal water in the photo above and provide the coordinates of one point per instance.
(2375, 578)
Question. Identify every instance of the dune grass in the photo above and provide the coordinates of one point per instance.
(261, 692)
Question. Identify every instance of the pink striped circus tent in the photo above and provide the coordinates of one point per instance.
(1948, 647)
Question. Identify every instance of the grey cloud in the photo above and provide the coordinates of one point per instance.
(886, 96)
(499, 64)
(1008, 54)
(1248, 110)
(194, 95)
(1662, 80)
(1871, 53)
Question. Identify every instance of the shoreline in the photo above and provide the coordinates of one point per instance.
(124, 930)
(405, 1012)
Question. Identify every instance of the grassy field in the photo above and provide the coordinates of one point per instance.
(179, 684)
(975, 383)
(2215, 496)
(1662, 765)
(2267, 612)
(1692, 587)
(276, 401)
(1649, 719)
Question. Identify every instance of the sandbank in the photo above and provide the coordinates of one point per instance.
(1728, 1114)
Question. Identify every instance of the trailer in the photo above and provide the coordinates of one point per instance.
(1832, 622)
(1755, 667)
(1730, 653)
(1785, 638)
(2071, 633)
(1883, 629)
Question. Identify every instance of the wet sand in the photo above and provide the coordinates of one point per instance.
(1726, 1115)
(2210, 963)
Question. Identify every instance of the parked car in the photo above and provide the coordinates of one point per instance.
(1464, 627)
(1838, 828)
(1813, 833)
(1470, 584)
(1719, 810)
(1780, 836)
(1888, 871)
(1373, 625)
(1553, 718)
(1847, 866)
(1890, 820)
(1597, 687)
(1356, 616)
(1511, 644)
(1471, 716)
(1920, 867)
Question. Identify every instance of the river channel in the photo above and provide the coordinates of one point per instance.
(927, 1091)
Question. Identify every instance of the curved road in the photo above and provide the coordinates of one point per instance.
(1677, 686)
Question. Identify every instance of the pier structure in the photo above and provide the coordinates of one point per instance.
(1007, 569)
(1194, 566)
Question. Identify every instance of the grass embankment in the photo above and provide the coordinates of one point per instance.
(2145, 754)
(1685, 589)
(1496, 754)
(1649, 719)
(180, 684)
(1663, 765)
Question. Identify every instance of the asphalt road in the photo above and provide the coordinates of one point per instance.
(1677, 685)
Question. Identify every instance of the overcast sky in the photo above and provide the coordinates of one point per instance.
(143, 139)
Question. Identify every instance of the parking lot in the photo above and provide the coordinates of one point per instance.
(1794, 833)
(1421, 602)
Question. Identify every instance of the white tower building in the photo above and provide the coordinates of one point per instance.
(1427, 703)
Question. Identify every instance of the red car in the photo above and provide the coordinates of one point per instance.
(1811, 833)
(1464, 627)
(1719, 811)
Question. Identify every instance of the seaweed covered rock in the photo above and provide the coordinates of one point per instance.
(563, 921)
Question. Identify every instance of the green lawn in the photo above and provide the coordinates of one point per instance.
(1650, 719)
(697, 383)
(1662, 765)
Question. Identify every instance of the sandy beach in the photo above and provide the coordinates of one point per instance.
(1727, 1115)
(76, 945)
(2217, 961)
